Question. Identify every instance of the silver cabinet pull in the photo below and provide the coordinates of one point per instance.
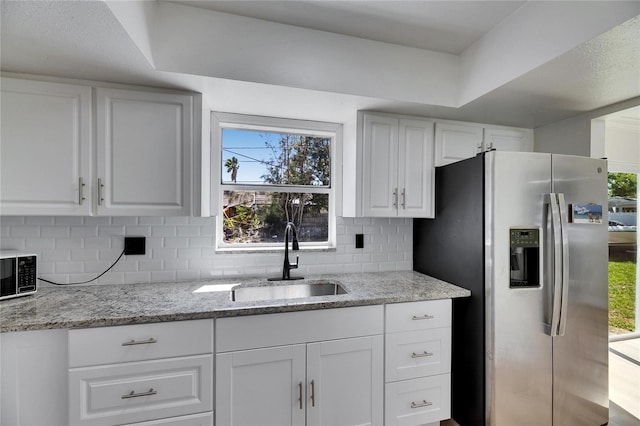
(404, 198)
(421, 355)
(140, 342)
(395, 198)
(423, 317)
(300, 394)
(423, 403)
(133, 394)
(313, 394)
(81, 185)
(100, 186)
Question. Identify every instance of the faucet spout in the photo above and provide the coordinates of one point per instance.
(288, 266)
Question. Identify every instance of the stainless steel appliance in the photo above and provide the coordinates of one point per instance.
(527, 234)
(18, 274)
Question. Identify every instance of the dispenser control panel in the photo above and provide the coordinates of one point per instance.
(525, 257)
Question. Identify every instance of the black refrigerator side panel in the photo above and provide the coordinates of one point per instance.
(451, 248)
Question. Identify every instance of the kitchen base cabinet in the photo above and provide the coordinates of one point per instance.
(203, 419)
(306, 380)
(140, 373)
(33, 378)
(259, 387)
(418, 401)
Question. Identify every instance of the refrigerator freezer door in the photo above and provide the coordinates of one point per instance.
(519, 352)
(580, 362)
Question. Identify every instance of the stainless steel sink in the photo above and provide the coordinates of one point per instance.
(286, 291)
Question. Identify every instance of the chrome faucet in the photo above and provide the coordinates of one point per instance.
(288, 266)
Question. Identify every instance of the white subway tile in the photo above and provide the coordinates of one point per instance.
(97, 243)
(69, 267)
(111, 230)
(12, 243)
(176, 220)
(189, 253)
(158, 276)
(39, 243)
(189, 231)
(176, 242)
(164, 253)
(96, 267)
(200, 242)
(187, 275)
(137, 277)
(84, 231)
(150, 265)
(25, 231)
(39, 220)
(97, 220)
(84, 254)
(175, 264)
(55, 231)
(151, 220)
(137, 231)
(124, 220)
(12, 220)
(69, 220)
(164, 231)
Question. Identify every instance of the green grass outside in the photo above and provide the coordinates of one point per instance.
(622, 296)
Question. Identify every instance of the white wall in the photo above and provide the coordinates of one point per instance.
(75, 249)
(573, 135)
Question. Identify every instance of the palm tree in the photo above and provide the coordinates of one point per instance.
(232, 166)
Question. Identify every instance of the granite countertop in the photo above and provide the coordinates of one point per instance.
(107, 305)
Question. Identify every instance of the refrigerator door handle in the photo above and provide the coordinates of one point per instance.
(565, 263)
(552, 201)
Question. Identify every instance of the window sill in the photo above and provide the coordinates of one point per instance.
(256, 250)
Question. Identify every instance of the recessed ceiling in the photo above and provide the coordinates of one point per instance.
(441, 26)
(84, 40)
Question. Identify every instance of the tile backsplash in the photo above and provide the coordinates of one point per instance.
(73, 249)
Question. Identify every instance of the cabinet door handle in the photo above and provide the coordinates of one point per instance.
(404, 198)
(100, 186)
(395, 198)
(133, 394)
(423, 403)
(313, 394)
(132, 342)
(81, 185)
(300, 394)
(423, 317)
(421, 355)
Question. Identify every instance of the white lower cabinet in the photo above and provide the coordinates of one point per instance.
(141, 373)
(33, 378)
(418, 363)
(328, 382)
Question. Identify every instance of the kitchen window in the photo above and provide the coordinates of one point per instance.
(271, 171)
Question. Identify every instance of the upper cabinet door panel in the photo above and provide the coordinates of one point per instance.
(455, 142)
(380, 164)
(144, 152)
(45, 150)
(416, 173)
(508, 139)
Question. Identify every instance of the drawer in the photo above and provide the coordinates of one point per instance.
(418, 315)
(418, 401)
(414, 354)
(111, 345)
(202, 419)
(261, 331)
(140, 391)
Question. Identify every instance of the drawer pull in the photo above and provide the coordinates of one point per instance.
(423, 317)
(140, 342)
(421, 404)
(421, 355)
(133, 394)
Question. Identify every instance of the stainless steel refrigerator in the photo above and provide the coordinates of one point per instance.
(527, 234)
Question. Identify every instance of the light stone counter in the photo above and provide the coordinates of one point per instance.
(107, 305)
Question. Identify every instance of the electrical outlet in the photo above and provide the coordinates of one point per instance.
(134, 245)
(359, 240)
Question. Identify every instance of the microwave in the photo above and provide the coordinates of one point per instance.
(18, 273)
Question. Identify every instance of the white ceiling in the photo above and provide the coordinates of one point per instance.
(88, 40)
(442, 26)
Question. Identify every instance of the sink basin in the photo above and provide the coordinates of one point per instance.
(287, 291)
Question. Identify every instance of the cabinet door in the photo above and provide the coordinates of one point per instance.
(455, 142)
(416, 173)
(144, 151)
(380, 166)
(345, 382)
(33, 379)
(45, 148)
(261, 387)
(508, 139)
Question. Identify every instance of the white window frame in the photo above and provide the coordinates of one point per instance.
(222, 120)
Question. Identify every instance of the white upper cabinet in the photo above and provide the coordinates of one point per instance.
(45, 148)
(457, 141)
(505, 139)
(144, 144)
(143, 153)
(397, 166)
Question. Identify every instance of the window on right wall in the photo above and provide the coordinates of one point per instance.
(269, 172)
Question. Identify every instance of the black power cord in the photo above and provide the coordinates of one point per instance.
(85, 282)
